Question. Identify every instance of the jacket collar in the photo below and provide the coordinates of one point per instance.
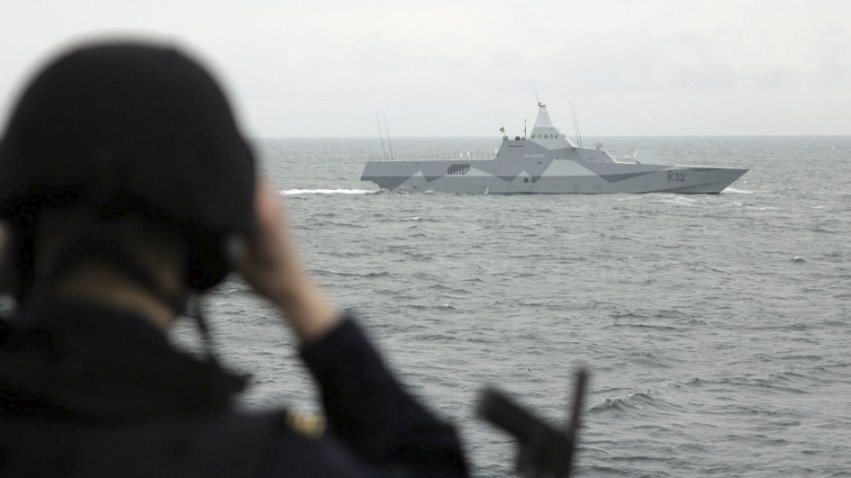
(70, 357)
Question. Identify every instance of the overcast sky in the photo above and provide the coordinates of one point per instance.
(463, 68)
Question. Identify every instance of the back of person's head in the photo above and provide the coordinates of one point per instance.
(119, 153)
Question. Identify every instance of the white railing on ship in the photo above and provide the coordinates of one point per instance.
(463, 156)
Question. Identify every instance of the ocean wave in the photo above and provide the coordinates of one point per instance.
(762, 208)
(366, 275)
(299, 192)
(645, 326)
(447, 288)
(634, 402)
(696, 382)
(774, 383)
(433, 307)
(678, 200)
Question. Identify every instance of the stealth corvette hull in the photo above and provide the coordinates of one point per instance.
(547, 163)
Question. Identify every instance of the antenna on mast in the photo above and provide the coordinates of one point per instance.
(389, 145)
(576, 124)
(383, 151)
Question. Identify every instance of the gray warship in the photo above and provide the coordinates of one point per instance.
(546, 162)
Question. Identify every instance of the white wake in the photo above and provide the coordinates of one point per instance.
(736, 191)
(298, 192)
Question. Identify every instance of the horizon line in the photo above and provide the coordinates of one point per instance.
(819, 135)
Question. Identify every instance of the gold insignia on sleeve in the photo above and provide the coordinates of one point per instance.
(308, 426)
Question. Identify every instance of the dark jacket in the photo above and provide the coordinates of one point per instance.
(89, 391)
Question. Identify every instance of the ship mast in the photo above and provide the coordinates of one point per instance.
(576, 124)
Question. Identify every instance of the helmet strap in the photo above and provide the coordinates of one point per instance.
(197, 315)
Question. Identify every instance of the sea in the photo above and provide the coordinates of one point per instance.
(715, 328)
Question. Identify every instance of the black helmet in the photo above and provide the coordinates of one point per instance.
(129, 128)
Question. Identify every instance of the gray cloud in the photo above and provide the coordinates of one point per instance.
(324, 68)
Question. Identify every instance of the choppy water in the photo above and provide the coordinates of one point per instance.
(715, 327)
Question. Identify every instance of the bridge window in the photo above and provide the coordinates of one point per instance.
(458, 169)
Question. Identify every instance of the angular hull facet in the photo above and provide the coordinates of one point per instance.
(422, 176)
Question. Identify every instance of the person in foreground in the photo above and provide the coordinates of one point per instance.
(127, 192)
